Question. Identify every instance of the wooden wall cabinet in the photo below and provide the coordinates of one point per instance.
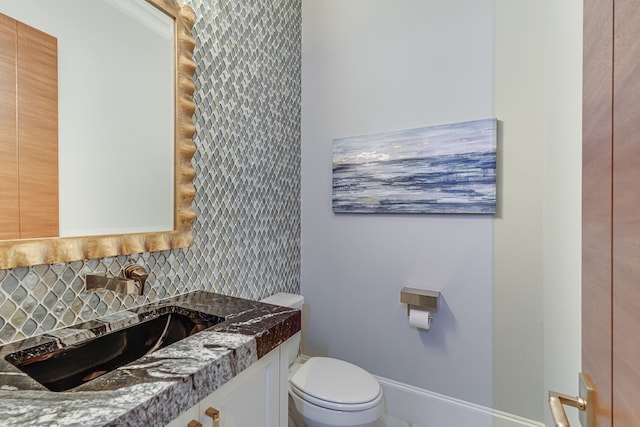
(28, 132)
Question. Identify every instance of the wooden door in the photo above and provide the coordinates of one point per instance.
(611, 209)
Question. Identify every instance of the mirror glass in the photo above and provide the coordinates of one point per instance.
(115, 112)
(125, 130)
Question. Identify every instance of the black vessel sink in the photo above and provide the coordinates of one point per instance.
(66, 368)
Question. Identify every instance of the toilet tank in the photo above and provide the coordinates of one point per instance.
(292, 301)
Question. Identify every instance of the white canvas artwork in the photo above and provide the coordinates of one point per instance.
(438, 169)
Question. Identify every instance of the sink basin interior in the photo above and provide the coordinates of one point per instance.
(66, 368)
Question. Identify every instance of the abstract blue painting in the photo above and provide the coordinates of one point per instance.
(438, 169)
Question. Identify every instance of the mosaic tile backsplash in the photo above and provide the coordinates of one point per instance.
(247, 231)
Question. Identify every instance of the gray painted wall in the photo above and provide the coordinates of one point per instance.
(372, 66)
(518, 229)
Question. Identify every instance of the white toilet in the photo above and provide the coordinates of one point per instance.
(329, 392)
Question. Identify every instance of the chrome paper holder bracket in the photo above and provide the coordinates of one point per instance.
(427, 300)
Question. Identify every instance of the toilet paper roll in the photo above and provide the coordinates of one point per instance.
(419, 318)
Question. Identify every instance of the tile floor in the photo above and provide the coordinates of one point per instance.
(389, 421)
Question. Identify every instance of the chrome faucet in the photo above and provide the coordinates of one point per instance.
(133, 282)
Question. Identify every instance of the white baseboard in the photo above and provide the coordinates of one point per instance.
(429, 409)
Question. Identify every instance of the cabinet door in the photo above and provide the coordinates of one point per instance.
(37, 103)
(28, 132)
(251, 399)
(9, 188)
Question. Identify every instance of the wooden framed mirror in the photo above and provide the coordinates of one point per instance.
(34, 251)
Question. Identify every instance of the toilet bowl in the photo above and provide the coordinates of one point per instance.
(327, 392)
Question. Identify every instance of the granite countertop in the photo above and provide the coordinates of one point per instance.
(158, 387)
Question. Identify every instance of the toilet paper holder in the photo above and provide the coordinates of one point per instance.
(426, 300)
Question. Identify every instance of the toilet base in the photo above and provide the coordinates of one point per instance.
(295, 419)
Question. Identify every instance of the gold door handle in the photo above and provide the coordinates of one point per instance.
(214, 414)
(194, 423)
(556, 402)
(584, 403)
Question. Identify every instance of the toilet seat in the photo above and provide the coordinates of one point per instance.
(352, 407)
(336, 385)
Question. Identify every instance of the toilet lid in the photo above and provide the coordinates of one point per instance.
(336, 384)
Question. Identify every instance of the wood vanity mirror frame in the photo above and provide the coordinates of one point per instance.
(22, 253)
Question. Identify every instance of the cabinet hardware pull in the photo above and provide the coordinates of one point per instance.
(194, 423)
(214, 414)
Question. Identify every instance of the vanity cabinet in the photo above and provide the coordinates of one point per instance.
(256, 397)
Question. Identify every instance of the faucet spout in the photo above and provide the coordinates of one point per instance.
(127, 285)
(114, 284)
(138, 273)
